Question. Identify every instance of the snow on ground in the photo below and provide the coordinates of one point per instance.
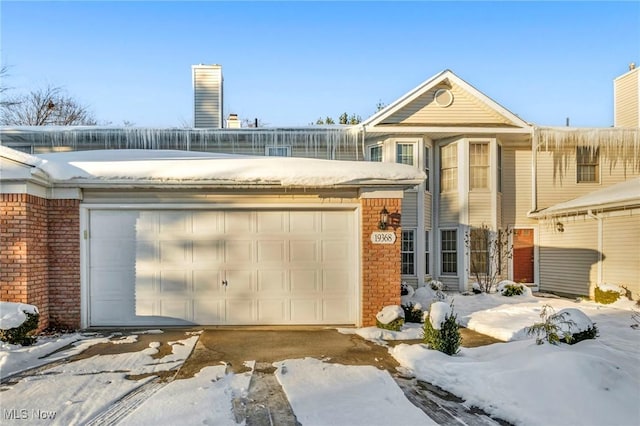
(332, 394)
(409, 331)
(205, 399)
(79, 390)
(594, 382)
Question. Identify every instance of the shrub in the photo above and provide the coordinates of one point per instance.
(412, 313)
(562, 327)
(445, 337)
(606, 296)
(22, 334)
(404, 289)
(395, 325)
(512, 290)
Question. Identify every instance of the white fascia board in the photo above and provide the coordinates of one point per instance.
(380, 193)
(576, 211)
(448, 130)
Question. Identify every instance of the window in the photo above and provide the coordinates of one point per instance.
(587, 164)
(479, 247)
(449, 168)
(449, 249)
(478, 166)
(499, 168)
(407, 252)
(375, 153)
(23, 148)
(404, 153)
(278, 151)
(427, 155)
(426, 252)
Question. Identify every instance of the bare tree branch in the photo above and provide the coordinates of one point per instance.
(50, 106)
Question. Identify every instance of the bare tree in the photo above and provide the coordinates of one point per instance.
(45, 107)
(489, 254)
(4, 102)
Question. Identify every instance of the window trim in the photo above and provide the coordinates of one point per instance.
(414, 153)
(268, 148)
(412, 252)
(427, 253)
(499, 155)
(426, 159)
(583, 164)
(442, 252)
(486, 167)
(370, 148)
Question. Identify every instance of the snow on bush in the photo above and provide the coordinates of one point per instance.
(437, 314)
(608, 293)
(435, 285)
(12, 314)
(506, 287)
(423, 297)
(569, 325)
(390, 318)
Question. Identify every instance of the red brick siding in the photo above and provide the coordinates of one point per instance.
(64, 262)
(380, 262)
(23, 252)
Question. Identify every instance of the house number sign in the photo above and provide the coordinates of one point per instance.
(383, 237)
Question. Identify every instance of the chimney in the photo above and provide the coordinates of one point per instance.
(233, 122)
(207, 96)
(626, 98)
(632, 66)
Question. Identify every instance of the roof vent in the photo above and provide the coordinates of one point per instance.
(443, 97)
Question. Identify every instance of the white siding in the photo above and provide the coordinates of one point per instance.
(409, 217)
(516, 185)
(627, 93)
(207, 96)
(449, 214)
(569, 259)
(621, 248)
(480, 209)
(427, 211)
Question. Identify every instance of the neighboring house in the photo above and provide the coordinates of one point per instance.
(484, 166)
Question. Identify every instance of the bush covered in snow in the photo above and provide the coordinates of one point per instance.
(413, 312)
(390, 318)
(441, 329)
(607, 293)
(436, 285)
(18, 322)
(569, 325)
(510, 288)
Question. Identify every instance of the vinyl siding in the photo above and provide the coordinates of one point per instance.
(557, 176)
(409, 217)
(450, 283)
(465, 110)
(449, 214)
(621, 248)
(627, 91)
(480, 209)
(568, 260)
(500, 222)
(427, 211)
(516, 185)
(207, 87)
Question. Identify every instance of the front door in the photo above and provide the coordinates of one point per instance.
(523, 255)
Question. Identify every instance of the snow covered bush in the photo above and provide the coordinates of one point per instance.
(607, 293)
(390, 318)
(413, 312)
(436, 285)
(570, 326)
(18, 322)
(406, 289)
(509, 288)
(441, 329)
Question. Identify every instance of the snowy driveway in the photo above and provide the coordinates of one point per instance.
(144, 378)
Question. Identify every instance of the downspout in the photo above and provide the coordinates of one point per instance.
(600, 243)
(534, 172)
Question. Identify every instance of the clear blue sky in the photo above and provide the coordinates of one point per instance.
(289, 63)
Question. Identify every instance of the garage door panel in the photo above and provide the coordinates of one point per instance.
(152, 267)
(305, 311)
(303, 251)
(273, 282)
(271, 251)
(238, 251)
(175, 284)
(271, 311)
(305, 281)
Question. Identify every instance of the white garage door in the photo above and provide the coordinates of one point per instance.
(173, 267)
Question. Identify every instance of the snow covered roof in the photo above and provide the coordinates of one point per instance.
(624, 194)
(190, 167)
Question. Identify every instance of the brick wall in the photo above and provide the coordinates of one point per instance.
(380, 262)
(40, 256)
(23, 252)
(64, 262)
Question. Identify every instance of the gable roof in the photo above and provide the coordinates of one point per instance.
(449, 78)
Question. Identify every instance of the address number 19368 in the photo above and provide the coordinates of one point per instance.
(383, 237)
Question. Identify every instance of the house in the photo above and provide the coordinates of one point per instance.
(481, 166)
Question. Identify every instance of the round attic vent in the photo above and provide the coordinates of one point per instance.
(443, 97)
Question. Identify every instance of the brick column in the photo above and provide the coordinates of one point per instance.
(64, 262)
(23, 252)
(380, 262)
